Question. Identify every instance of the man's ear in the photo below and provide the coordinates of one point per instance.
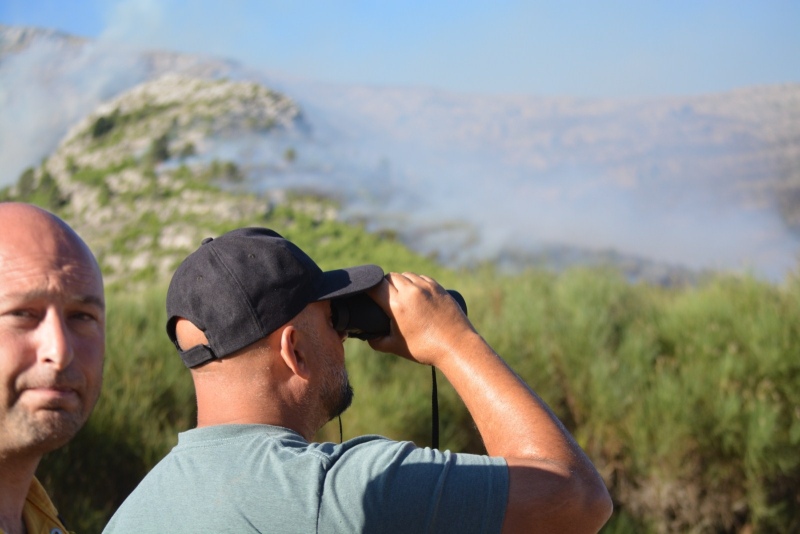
(292, 357)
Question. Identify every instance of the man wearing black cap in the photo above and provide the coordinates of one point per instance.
(250, 315)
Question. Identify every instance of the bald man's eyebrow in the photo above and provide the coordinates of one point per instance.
(92, 300)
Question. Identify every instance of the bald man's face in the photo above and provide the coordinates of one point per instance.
(52, 333)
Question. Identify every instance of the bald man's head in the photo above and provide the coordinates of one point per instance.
(52, 323)
(28, 226)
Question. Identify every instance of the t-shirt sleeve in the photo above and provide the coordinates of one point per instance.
(386, 486)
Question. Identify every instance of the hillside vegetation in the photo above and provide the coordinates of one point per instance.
(687, 399)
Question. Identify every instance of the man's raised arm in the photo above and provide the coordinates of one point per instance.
(553, 486)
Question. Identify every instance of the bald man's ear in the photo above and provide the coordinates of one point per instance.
(292, 357)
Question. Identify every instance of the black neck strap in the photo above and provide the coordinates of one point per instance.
(434, 410)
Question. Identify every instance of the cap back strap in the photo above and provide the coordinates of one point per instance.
(197, 355)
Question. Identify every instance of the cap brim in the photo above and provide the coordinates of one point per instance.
(343, 282)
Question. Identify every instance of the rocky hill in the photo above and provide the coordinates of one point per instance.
(135, 178)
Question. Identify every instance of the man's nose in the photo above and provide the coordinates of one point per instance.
(55, 344)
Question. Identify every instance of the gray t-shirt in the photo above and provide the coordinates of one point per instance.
(260, 478)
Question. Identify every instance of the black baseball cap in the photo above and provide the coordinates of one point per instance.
(242, 286)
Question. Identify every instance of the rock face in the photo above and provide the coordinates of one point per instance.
(134, 176)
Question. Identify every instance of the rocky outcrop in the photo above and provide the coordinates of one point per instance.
(138, 178)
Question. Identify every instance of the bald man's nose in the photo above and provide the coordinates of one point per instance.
(54, 340)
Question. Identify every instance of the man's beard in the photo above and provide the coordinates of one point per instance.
(44, 427)
(337, 393)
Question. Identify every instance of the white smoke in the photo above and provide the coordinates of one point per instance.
(462, 177)
(50, 85)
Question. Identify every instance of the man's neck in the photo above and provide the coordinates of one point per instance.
(16, 475)
(229, 402)
(12, 526)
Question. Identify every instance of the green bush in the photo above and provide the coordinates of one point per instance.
(42, 192)
(104, 124)
(159, 150)
(225, 172)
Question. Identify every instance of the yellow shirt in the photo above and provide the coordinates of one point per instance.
(39, 513)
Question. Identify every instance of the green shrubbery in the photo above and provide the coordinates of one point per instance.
(107, 128)
(43, 191)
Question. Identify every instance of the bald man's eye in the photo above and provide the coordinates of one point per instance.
(84, 317)
(26, 313)
(21, 318)
(85, 322)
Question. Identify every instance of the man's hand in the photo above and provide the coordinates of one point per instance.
(426, 322)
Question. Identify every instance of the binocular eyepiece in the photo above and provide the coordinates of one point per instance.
(362, 318)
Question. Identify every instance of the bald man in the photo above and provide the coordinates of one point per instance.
(250, 314)
(52, 342)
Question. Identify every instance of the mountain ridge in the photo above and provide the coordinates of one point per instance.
(596, 170)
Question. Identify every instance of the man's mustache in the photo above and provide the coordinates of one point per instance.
(63, 380)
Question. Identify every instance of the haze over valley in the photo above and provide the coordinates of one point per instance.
(661, 187)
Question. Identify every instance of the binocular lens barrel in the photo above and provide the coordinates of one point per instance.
(362, 318)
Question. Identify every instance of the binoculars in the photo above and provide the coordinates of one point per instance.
(362, 318)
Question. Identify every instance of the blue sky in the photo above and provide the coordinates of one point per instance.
(609, 48)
